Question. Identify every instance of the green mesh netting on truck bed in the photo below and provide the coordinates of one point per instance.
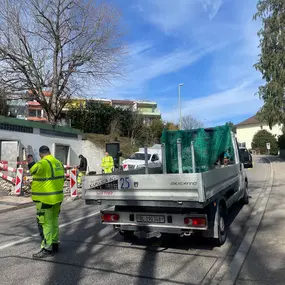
(209, 144)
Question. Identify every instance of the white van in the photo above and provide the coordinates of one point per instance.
(137, 160)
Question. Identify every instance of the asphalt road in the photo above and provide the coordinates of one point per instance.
(92, 253)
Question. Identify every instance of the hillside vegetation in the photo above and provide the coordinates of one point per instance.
(125, 143)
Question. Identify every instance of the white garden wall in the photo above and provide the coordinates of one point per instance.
(64, 143)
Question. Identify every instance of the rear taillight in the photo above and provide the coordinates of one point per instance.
(195, 222)
(110, 217)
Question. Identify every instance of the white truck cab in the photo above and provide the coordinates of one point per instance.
(137, 160)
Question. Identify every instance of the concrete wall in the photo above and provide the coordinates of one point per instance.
(19, 137)
(32, 142)
(94, 155)
(246, 133)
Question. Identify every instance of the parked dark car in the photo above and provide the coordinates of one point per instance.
(247, 157)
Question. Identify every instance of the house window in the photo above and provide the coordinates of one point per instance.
(35, 113)
(243, 144)
(32, 113)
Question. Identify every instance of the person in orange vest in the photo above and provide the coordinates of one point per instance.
(107, 163)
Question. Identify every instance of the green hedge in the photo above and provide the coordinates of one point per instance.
(261, 138)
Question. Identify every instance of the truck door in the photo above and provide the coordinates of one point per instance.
(242, 173)
(239, 163)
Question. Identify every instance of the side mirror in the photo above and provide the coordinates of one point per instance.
(247, 162)
(248, 165)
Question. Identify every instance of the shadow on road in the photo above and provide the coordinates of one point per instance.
(89, 245)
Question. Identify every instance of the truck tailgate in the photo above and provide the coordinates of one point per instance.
(144, 187)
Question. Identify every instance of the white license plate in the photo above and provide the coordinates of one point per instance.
(150, 219)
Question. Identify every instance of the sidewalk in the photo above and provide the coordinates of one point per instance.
(260, 259)
(265, 262)
(9, 203)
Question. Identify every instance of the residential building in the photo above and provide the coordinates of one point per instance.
(247, 129)
(149, 110)
(35, 112)
(124, 104)
(29, 109)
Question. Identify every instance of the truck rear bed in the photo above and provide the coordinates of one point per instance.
(166, 190)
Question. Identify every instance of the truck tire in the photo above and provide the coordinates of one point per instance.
(222, 228)
(245, 199)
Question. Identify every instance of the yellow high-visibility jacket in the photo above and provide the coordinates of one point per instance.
(48, 180)
(107, 164)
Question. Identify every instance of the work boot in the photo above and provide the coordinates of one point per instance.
(55, 247)
(43, 253)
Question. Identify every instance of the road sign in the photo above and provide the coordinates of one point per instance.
(268, 146)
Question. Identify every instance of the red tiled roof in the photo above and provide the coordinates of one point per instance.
(33, 103)
(250, 121)
(46, 93)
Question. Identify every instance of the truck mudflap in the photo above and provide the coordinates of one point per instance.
(155, 222)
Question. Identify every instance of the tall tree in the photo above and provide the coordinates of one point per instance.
(59, 45)
(190, 123)
(232, 126)
(271, 61)
(171, 126)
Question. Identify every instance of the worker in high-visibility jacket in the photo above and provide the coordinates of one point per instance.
(107, 163)
(47, 193)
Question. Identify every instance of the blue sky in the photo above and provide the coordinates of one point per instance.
(209, 45)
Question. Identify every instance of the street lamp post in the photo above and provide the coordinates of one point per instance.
(179, 103)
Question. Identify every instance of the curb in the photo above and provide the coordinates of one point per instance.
(30, 204)
(236, 264)
(21, 206)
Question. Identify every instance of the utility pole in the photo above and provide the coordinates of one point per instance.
(179, 104)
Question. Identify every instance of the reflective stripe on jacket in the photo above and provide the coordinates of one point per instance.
(48, 180)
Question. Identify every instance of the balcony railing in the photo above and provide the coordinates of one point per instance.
(149, 112)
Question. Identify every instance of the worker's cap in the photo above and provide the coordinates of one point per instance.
(44, 149)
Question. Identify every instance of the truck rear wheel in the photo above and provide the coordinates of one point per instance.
(222, 228)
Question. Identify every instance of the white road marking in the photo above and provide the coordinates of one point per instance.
(35, 235)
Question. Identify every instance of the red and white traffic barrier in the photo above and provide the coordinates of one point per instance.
(8, 178)
(73, 183)
(22, 163)
(5, 167)
(69, 166)
(19, 181)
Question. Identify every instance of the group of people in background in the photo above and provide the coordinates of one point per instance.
(107, 166)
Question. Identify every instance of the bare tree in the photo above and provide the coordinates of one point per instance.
(4, 109)
(58, 45)
(135, 126)
(190, 123)
(115, 127)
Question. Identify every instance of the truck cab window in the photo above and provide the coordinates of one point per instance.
(154, 158)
